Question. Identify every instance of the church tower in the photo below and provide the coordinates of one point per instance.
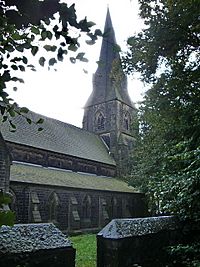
(109, 110)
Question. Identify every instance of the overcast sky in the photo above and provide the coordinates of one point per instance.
(62, 94)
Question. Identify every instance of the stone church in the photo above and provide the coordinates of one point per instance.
(68, 175)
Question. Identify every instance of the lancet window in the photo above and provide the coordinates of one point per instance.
(127, 121)
(100, 121)
(53, 207)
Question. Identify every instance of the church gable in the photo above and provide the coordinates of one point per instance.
(58, 137)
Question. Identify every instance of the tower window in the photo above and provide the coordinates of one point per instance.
(100, 121)
(127, 121)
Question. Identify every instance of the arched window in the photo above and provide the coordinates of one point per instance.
(87, 207)
(100, 121)
(34, 207)
(53, 207)
(127, 121)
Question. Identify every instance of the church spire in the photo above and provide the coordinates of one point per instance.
(109, 81)
(109, 111)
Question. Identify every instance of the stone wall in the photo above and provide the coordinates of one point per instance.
(116, 129)
(4, 165)
(33, 155)
(137, 242)
(73, 209)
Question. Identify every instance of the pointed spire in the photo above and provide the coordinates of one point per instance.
(108, 47)
(107, 85)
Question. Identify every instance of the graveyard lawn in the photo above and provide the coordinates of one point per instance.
(85, 246)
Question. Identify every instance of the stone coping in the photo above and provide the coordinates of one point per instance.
(22, 238)
(122, 228)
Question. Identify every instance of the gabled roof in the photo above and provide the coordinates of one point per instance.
(27, 173)
(58, 137)
(123, 228)
(29, 238)
(105, 85)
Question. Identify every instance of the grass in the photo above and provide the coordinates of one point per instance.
(85, 246)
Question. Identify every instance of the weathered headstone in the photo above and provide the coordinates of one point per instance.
(35, 245)
(136, 242)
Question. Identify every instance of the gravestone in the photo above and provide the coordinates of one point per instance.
(35, 245)
(136, 242)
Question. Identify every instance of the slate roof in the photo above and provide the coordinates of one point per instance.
(122, 228)
(22, 238)
(104, 89)
(28, 173)
(59, 137)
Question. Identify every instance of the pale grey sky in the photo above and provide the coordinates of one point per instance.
(62, 94)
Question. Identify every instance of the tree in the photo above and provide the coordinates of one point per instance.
(7, 216)
(32, 25)
(166, 161)
(22, 29)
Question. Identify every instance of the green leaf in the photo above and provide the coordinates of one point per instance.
(5, 118)
(5, 66)
(12, 124)
(49, 35)
(44, 34)
(7, 218)
(51, 48)
(21, 67)
(16, 36)
(19, 48)
(25, 60)
(12, 112)
(116, 48)
(52, 61)
(24, 110)
(80, 55)
(16, 59)
(60, 54)
(9, 48)
(16, 79)
(40, 121)
(6, 76)
(73, 60)
(85, 71)
(2, 109)
(42, 61)
(29, 120)
(84, 59)
(90, 24)
(34, 50)
(14, 67)
(98, 32)
(55, 28)
(90, 42)
(47, 21)
(72, 47)
(31, 67)
(35, 30)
